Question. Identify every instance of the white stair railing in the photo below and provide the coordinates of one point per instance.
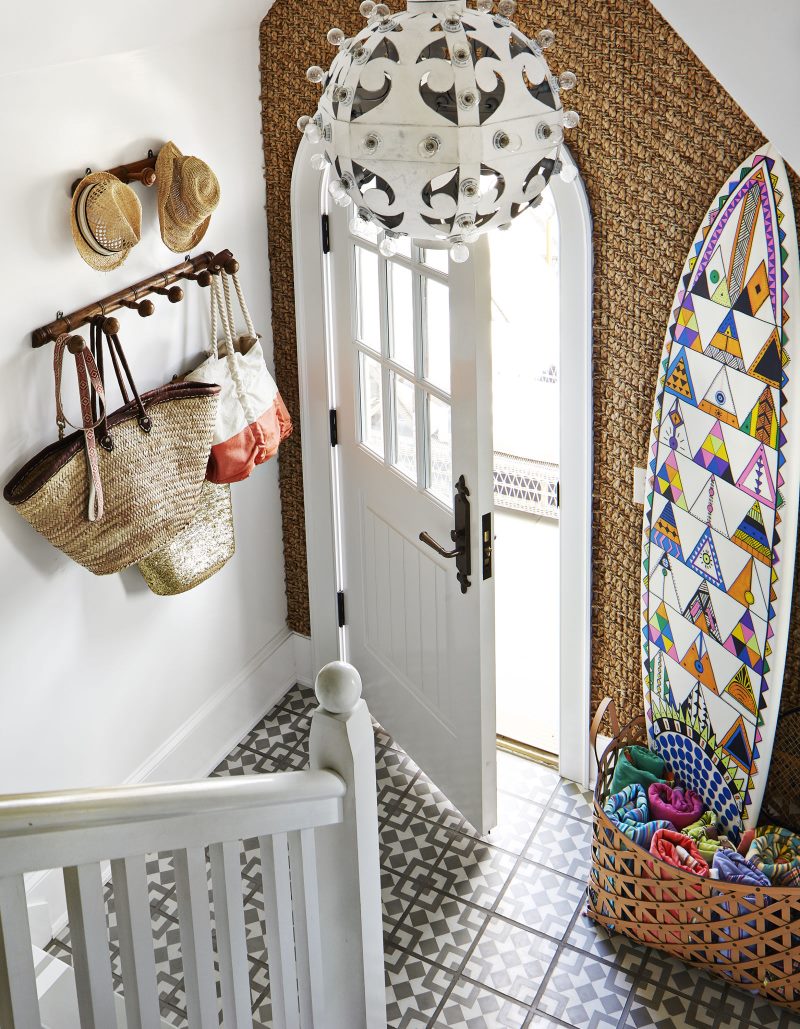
(318, 839)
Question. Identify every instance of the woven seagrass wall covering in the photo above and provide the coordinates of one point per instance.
(658, 136)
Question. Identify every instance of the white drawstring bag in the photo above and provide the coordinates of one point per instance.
(252, 419)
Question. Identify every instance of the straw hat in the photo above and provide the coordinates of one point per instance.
(106, 220)
(188, 192)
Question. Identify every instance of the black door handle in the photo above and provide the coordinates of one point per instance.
(459, 535)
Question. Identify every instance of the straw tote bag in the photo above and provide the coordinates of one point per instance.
(125, 484)
(252, 419)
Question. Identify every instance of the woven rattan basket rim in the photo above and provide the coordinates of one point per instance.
(626, 737)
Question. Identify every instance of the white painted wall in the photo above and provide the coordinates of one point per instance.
(100, 680)
(753, 51)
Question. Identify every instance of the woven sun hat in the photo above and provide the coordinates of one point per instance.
(106, 220)
(188, 192)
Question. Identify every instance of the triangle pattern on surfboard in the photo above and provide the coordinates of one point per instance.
(752, 535)
(736, 743)
(679, 380)
(700, 610)
(768, 364)
(755, 293)
(713, 455)
(746, 589)
(703, 559)
(718, 400)
(724, 345)
(673, 429)
(668, 481)
(697, 662)
(756, 480)
(665, 533)
(660, 631)
(685, 330)
(707, 508)
(743, 642)
(762, 421)
(740, 688)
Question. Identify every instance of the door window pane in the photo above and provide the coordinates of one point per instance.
(364, 230)
(438, 259)
(437, 334)
(401, 334)
(405, 427)
(368, 318)
(440, 451)
(371, 401)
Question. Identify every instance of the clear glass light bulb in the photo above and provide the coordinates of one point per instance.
(567, 80)
(343, 200)
(319, 162)
(302, 121)
(536, 185)
(571, 119)
(484, 6)
(336, 188)
(459, 252)
(315, 73)
(366, 8)
(568, 172)
(546, 38)
(507, 8)
(381, 11)
(336, 37)
(388, 247)
(312, 132)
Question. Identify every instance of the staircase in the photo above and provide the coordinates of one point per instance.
(317, 833)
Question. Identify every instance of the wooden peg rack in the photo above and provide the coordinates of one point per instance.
(143, 171)
(197, 269)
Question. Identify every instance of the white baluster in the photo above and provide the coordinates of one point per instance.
(19, 1005)
(308, 941)
(90, 952)
(194, 916)
(347, 855)
(226, 882)
(135, 928)
(279, 930)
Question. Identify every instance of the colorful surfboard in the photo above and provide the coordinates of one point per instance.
(720, 517)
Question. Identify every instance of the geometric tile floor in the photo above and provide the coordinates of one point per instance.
(480, 933)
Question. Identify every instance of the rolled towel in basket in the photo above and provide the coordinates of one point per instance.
(705, 834)
(675, 848)
(628, 810)
(637, 765)
(777, 854)
(733, 868)
(674, 804)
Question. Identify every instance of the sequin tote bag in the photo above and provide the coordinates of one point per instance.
(252, 419)
(123, 485)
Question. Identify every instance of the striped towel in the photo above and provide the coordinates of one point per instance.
(629, 811)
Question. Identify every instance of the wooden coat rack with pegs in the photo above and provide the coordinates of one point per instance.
(194, 269)
(143, 171)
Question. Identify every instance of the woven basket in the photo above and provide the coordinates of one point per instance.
(748, 935)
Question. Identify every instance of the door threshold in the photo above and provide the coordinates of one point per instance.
(530, 753)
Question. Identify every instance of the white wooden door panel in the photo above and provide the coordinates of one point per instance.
(411, 375)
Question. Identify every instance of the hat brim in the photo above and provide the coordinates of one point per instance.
(100, 262)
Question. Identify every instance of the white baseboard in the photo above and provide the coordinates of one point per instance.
(194, 749)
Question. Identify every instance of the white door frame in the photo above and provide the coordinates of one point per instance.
(308, 202)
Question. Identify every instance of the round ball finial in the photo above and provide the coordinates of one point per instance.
(338, 687)
(111, 326)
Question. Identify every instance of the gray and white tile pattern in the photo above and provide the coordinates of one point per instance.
(480, 932)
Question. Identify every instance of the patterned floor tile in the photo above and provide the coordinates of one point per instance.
(476, 872)
(510, 959)
(655, 1008)
(570, 798)
(414, 989)
(750, 1009)
(516, 820)
(443, 930)
(562, 843)
(524, 778)
(469, 1006)
(667, 973)
(586, 935)
(541, 899)
(584, 992)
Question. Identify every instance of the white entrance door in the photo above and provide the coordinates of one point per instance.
(411, 383)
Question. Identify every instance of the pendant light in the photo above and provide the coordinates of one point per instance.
(440, 122)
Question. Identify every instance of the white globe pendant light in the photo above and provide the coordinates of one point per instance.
(440, 122)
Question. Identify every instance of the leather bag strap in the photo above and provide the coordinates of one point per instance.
(88, 376)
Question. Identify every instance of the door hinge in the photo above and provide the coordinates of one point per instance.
(340, 609)
(558, 495)
(334, 426)
(326, 234)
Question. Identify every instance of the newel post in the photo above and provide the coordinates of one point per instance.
(347, 855)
